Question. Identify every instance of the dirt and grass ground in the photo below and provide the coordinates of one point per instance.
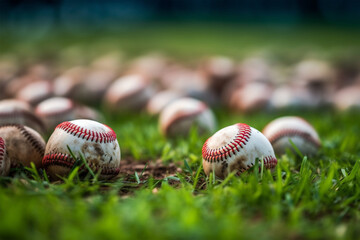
(163, 193)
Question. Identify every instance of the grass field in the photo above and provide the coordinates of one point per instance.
(315, 198)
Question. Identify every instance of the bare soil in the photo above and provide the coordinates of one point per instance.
(157, 169)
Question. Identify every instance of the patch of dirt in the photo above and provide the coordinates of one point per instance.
(157, 169)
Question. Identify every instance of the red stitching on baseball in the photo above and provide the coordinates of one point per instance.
(269, 162)
(220, 154)
(87, 134)
(64, 160)
(293, 133)
(2, 151)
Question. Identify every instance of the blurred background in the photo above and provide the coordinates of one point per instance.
(205, 23)
(107, 13)
(287, 53)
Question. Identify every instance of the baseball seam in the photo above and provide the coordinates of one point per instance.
(28, 137)
(87, 134)
(220, 154)
(2, 152)
(293, 133)
(32, 140)
(269, 163)
(65, 160)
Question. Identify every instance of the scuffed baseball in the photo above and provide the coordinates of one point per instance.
(180, 116)
(18, 112)
(236, 148)
(128, 93)
(23, 145)
(281, 130)
(4, 160)
(56, 110)
(96, 141)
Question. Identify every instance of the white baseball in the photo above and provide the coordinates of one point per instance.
(4, 160)
(35, 92)
(236, 148)
(347, 98)
(160, 100)
(312, 70)
(128, 93)
(219, 68)
(178, 117)
(250, 97)
(96, 141)
(94, 86)
(23, 145)
(18, 112)
(152, 66)
(281, 130)
(56, 110)
(66, 84)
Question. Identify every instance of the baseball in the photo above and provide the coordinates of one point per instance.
(177, 118)
(236, 148)
(23, 145)
(250, 97)
(219, 70)
(66, 84)
(35, 92)
(4, 161)
(96, 141)
(281, 130)
(347, 98)
(93, 86)
(160, 100)
(56, 110)
(17, 112)
(130, 92)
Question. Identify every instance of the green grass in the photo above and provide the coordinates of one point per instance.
(316, 198)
